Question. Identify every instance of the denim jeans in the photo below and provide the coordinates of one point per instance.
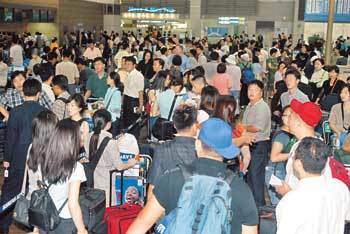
(279, 170)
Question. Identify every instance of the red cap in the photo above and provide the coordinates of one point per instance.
(309, 112)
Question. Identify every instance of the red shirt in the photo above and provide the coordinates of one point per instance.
(222, 82)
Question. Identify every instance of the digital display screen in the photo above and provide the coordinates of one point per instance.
(317, 10)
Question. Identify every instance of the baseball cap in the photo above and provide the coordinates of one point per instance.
(217, 134)
(309, 112)
(231, 59)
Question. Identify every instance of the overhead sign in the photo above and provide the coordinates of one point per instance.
(317, 10)
(152, 10)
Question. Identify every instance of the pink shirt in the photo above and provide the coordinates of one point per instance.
(222, 82)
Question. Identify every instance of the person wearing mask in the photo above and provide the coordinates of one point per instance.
(318, 204)
(91, 51)
(331, 86)
(110, 158)
(96, 85)
(257, 120)
(113, 101)
(292, 80)
(14, 96)
(318, 77)
(221, 80)
(18, 136)
(339, 117)
(133, 94)
(145, 66)
(68, 69)
(62, 170)
(60, 89)
(213, 145)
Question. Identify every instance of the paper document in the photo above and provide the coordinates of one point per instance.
(275, 181)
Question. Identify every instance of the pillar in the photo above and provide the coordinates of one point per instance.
(195, 18)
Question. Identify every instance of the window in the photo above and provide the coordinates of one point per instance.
(51, 16)
(43, 15)
(17, 16)
(27, 15)
(36, 15)
(8, 14)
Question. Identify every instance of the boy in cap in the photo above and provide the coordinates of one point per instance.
(214, 144)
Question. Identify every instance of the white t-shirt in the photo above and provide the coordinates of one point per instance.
(16, 53)
(133, 84)
(59, 192)
(69, 69)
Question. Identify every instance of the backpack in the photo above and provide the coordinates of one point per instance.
(204, 205)
(339, 171)
(247, 74)
(42, 211)
(89, 167)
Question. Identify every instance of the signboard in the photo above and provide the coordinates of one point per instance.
(152, 10)
(217, 32)
(317, 10)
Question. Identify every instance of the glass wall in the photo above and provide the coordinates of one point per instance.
(14, 15)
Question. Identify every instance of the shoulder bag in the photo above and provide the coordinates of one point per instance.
(330, 100)
(164, 129)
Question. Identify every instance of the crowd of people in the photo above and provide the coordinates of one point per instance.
(235, 107)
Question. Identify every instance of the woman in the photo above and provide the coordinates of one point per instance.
(279, 73)
(221, 80)
(257, 68)
(61, 170)
(318, 77)
(332, 85)
(209, 97)
(110, 158)
(281, 145)
(113, 100)
(75, 109)
(192, 58)
(146, 65)
(339, 118)
(43, 125)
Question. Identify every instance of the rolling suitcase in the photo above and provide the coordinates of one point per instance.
(119, 218)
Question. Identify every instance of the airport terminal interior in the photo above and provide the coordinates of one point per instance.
(175, 116)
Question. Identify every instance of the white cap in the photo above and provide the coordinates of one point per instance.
(231, 59)
(127, 144)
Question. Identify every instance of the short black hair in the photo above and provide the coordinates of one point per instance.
(66, 53)
(80, 61)
(17, 73)
(221, 68)
(273, 51)
(185, 116)
(51, 55)
(161, 62)
(99, 59)
(163, 50)
(293, 71)
(258, 83)
(313, 154)
(334, 68)
(61, 81)
(46, 71)
(321, 60)
(31, 87)
(214, 56)
(177, 60)
(130, 59)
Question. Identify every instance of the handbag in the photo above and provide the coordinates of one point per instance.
(20, 214)
(164, 129)
(330, 100)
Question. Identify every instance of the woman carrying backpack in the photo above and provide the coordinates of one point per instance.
(110, 158)
(63, 174)
(43, 125)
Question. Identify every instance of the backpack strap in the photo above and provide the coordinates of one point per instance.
(97, 156)
(172, 107)
(230, 176)
(65, 101)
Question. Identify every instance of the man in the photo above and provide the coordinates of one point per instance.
(181, 150)
(84, 73)
(19, 136)
(133, 94)
(178, 50)
(91, 51)
(60, 88)
(96, 85)
(317, 204)
(46, 74)
(213, 145)
(257, 120)
(201, 57)
(210, 67)
(292, 80)
(158, 65)
(68, 69)
(14, 97)
(16, 53)
(52, 58)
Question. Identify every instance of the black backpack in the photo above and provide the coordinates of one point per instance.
(42, 211)
(89, 167)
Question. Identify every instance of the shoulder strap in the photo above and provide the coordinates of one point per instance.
(342, 114)
(110, 99)
(334, 86)
(229, 177)
(187, 172)
(97, 156)
(65, 101)
(172, 107)
(23, 190)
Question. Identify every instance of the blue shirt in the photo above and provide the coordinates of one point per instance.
(165, 99)
(113, 102)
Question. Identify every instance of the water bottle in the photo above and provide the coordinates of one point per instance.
(336, 142)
